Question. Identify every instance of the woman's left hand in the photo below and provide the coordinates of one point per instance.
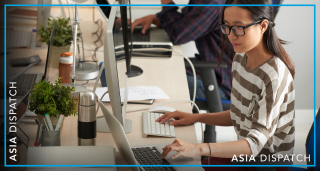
(183, 149)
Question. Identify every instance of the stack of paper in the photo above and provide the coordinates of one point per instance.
(138, 94)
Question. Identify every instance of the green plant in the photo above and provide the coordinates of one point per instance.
(63, 32)
(52, 99)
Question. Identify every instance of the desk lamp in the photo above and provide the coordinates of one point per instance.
(80, 71)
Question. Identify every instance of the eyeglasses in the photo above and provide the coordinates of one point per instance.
(237, 30)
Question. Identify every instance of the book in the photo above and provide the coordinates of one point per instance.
(147, 102)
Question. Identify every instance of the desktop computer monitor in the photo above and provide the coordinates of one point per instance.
(113, 47)
(126, 22)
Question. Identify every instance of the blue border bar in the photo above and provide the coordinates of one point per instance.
(5, 86)
(159, 5)
(91, 5)
(315, 80)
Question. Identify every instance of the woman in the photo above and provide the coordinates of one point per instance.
(262, 95)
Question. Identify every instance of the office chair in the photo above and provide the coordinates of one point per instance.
(208, 77)
(310, 147)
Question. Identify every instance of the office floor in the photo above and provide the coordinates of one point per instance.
(303, 121)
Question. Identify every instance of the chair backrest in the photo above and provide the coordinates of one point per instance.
(310, 142)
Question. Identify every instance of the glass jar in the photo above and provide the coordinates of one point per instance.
(65, 66)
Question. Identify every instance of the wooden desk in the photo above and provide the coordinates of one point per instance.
(167, 73)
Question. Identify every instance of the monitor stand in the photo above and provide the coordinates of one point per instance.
(102, 125)
(135, 71)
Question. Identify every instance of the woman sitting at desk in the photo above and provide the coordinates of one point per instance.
(262, 96)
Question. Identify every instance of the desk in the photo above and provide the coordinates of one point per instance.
(167, 73)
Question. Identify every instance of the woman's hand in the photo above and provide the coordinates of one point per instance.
(183, 149)
(181, 118)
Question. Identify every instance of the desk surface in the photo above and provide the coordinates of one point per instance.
(166, 73)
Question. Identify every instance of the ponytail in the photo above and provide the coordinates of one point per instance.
(274, 45)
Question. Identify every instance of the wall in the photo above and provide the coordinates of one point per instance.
(296, 25)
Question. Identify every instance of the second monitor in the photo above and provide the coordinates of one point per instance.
(113, 39)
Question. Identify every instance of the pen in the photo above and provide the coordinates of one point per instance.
(39, 134)
(36, 120)
(59, 122)
(48, 122)
(45, 123)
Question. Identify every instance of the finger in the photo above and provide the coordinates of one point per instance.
(167, 150)
(169, 116)
(176, 122)
(170, 148)
(145, 28)
(176, 140)
(176, 155)
(161, 117)
(134, 24)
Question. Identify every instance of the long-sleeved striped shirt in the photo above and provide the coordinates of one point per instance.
(262, 106)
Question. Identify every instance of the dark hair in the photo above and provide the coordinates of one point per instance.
(270, 37)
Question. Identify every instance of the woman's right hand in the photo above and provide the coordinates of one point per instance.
(181, 118)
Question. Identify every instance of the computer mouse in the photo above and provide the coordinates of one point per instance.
(162, 109)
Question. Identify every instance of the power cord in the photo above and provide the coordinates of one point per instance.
(100, 30)
(85, 83)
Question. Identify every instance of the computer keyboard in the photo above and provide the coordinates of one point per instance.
(151, 156)
(18, 39)
(137, 36)
(25, 82)
(151, 127)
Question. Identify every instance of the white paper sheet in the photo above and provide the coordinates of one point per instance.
(135, 93)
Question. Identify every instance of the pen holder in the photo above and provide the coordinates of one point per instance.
(50, 138)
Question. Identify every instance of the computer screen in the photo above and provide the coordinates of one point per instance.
(49, 53)
(126, 30)
(126, 45)
(112, 45)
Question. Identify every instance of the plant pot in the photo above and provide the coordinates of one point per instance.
(54, 120)
(56, 51)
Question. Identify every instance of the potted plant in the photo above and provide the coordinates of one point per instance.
(52, 99)
(62, 38)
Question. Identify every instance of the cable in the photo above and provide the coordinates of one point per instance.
(83, 57)
(97, 80)
(100, 29)
(99, 105)
(124, 107)
(99, 23)
(88, 61)
(85, 83)
(183, 100)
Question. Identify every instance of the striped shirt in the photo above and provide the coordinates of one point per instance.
(262, 106)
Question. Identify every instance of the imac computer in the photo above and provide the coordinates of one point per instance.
(113, 48)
